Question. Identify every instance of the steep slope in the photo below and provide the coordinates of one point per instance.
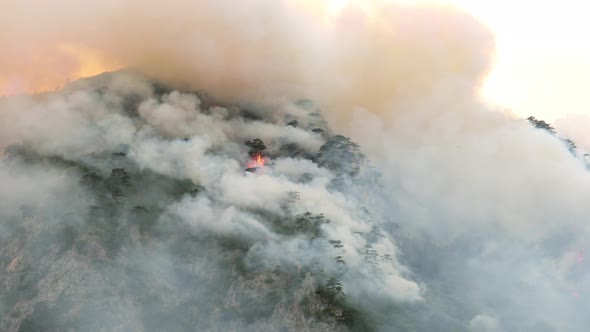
(134, 212)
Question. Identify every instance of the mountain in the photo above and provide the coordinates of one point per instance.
(133, 211)
(130, 205)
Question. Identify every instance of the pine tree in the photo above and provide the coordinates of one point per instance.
(540, 124)
(256, 146)
(120, 176)
(334, 288)
(91, 180)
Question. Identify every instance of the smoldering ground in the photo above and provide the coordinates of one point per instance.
(483, 216)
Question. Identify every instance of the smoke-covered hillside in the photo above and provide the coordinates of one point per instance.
(213, 191)
(129, 208)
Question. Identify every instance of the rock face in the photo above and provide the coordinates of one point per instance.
(138, 216)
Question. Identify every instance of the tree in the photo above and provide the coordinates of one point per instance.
(387, 258)
(287, 204)
(341, 263)
(336, 243)
(91, 179)
(540, 124)
(118, 196)
(310, 225)
(120, 177)
(293, 196)
(316, 267)
(370, 255)
(571, 146)
(341, 155)
(334, 288)
(197, 190)
(256, 146)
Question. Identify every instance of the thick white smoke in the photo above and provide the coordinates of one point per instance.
(491, 212)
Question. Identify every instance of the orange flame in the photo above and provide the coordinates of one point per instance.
(257, 161)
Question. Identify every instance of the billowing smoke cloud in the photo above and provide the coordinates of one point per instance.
(481, 216)
(263, 47)
(144, 165)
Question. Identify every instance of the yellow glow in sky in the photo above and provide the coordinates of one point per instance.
(52, 70)
(89, 62)
(542, 65)
(543, 55)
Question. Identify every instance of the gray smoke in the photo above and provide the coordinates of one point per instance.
(133, 197)
(134, 181)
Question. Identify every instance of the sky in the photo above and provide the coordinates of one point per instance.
(543, 56)
(542, 64)
(489, 212)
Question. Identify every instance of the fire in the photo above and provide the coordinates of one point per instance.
(257, 161)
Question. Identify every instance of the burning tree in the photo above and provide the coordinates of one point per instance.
(256, 159)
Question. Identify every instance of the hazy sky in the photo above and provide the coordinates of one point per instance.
(542, 62)
(543, 55)
(543, 58)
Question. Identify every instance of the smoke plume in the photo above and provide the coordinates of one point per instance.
(478, 219)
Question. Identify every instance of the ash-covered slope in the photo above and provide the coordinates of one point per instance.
(126, 207)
